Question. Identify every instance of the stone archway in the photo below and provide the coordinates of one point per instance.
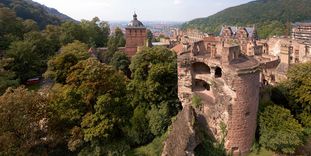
(201, 68)
(201, 85)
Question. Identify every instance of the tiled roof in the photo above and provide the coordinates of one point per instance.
(178, 48)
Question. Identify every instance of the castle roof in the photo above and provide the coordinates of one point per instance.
(235, 29)
(135, 23)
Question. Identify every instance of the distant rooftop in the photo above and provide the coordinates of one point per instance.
(160, 44)
(235, 29)
(302, 24)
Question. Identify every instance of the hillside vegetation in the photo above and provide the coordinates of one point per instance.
(28, 9)
(272, 17)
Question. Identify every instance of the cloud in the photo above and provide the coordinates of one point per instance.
(177, 2)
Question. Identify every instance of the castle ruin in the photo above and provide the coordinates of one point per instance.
(221, 73)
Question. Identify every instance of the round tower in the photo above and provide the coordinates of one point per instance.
(243, 112)
(228, 86)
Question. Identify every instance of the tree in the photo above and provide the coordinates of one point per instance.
(23, 115)
(53, 33)
(27, 63)
(115, 41)
(305, 119)
(59, 65)
(30, 25)
(150, 35)
(119, 37)
(299, 85)
(159, 119)
(7, 78)
(94, 33)
(93, 105)
(105, 29)
(121, 62)
(30, 55)
(152, 90)
(71, 31)
(42, 46)
(279, 130)
(139, 132)
(10, 27)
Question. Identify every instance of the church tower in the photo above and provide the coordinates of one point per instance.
(136, 36)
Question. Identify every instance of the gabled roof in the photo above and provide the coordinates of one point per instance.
(178, 48)
(235, 29)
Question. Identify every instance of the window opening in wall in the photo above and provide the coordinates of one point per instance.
(296, 60)
(201, 68)
(235, 150)
(218, 72)
(200, 85)
(247, 114)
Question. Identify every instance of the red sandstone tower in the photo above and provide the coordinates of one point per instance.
(136, 36)
(227, 82)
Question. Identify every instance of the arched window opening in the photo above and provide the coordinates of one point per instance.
(200, 85)
(201, 68)
(218, 72)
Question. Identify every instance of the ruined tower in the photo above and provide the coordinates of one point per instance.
(136, 36)
(227, 83)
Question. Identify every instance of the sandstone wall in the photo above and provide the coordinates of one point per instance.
(135, 37)
(183, 137)
(243, 114)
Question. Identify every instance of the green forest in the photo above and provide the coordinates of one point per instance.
(113, 105)
(96, 106)
(28, 9)
(271, 17)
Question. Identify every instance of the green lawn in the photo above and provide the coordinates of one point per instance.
(261, 152)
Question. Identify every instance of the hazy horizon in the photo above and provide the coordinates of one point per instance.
(122, 10)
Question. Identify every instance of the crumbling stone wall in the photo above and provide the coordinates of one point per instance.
(183, 137)
(230, 100)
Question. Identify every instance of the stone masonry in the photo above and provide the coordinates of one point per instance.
(136, 36)
(227, 81)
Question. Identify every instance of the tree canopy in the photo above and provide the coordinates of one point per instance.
(153, 91)
(23, 117)
(60, 64)
(279, 130)
(92, 101)
(299, 85)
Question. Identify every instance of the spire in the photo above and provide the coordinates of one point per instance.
(135, 16)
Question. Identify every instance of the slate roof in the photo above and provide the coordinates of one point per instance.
(234, 29)
(135, 23)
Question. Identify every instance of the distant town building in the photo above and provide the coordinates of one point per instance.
(244, 36)
(302, 32)
(239, 32)
(136, 36)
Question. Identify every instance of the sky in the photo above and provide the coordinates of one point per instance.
(147, 10)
